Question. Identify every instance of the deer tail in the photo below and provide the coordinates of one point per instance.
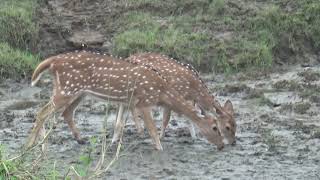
(44, 65)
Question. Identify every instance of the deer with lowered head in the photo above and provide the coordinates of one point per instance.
(186, 81)
(78, 74)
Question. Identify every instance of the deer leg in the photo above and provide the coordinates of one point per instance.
(136, 120)
(151, 126)
(165, 120)
(190, 125)
(68, 115)
(119, 125)
(39, 124)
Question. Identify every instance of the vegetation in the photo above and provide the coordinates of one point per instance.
(221, 35)
(25, 166)
(16, 63)
(10, 169)
(18, 38)
(16, 24)
(147, 33)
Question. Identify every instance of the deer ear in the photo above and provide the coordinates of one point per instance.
(218, 105)
(228, 107)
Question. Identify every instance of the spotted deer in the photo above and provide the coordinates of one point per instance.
(186, 81)
(78, 74)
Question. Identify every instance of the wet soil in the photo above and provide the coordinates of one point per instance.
(274, 139)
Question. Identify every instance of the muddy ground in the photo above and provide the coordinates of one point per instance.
(278, 135)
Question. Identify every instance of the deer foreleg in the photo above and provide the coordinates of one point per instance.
(119, 125)
(151, 126)
(165, 120)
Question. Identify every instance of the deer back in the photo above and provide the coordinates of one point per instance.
(182, 77)
(105, 77)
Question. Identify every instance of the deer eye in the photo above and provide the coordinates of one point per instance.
(228, 128)
(214, 128)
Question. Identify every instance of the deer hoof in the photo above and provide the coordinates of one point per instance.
(82, 141)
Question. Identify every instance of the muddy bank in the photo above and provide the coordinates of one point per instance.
(277, 136)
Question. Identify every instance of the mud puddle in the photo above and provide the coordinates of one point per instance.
(278, 135)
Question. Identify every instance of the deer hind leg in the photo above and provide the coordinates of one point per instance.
(119, 124)
(165, 120)
(151, 126)
(68, 115)
(45, 111)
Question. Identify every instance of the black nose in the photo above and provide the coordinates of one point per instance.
(220, 147)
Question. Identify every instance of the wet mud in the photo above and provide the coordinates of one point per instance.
(278, 135)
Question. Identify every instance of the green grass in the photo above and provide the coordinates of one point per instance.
(151, 33)
(212, 35)
(311, 14)
(278, 30)
(17, 27)
(15, 63)
(18, 38)
(190, 31)
(285, 32)
(216, 7)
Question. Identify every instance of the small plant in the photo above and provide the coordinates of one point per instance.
(85, 160)
(53, 173)
(265, 101)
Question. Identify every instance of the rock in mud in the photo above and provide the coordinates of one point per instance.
(285, 84)
(309, 75)
(6, 119)
(89, 38)
(315, 99)
(301, 108)
(279, 98)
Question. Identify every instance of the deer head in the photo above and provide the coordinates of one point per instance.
(227, 124)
